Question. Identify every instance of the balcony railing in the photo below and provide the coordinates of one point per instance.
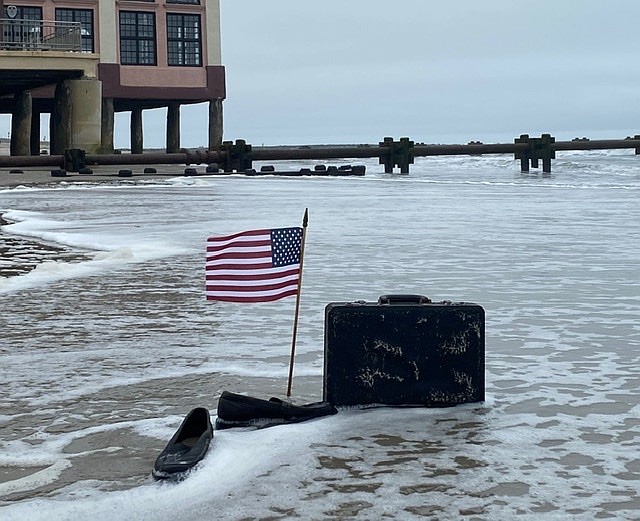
(40, 35)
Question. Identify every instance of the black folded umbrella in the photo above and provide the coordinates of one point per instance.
(187, 447)
(237, 410)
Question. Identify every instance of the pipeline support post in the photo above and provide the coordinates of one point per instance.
(539, 148)
(543, 149)
(237, 156)
(74, 159)
(523, 155)
(400, 154)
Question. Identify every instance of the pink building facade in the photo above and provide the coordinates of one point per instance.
(128, 55)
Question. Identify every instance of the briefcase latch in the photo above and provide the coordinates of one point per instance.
(404, 299)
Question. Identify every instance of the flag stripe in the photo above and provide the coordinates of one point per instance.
(239, 244)
(250, 233)
(244, 254)
(248, 266)
(246, 288)
(253, 266)
(254, 298)
(251, 275)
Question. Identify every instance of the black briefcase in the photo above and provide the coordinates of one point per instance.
(404, 350)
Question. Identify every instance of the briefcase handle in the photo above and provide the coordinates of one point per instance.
(404, 299)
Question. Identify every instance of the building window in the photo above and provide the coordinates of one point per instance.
(192, 2)
(183, 39)
(85, 17)
(26, 13)
(137, 38)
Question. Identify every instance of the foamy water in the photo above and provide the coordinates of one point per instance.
(102, 357)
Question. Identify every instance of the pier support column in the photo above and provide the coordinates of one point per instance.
(34, 144)
(86, 114)
(77, 116)
(106, 132)
(60, 128)
(173, 127)
(215, 124)
(136, 131)
(21, 124)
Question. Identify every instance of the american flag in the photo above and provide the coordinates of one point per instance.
(254, 266)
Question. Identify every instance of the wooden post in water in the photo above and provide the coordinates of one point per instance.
(400, 154)
(523, 156)
(544, 151)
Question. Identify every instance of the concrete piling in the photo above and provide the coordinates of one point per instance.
(173, 127)
(108, 121)
(136, 131)
(21, 124)
(215, 124)
(34, 141)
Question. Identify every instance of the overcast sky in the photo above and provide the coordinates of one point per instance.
(354, 71)
(436, 71)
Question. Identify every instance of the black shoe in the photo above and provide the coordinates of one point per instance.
(237, 410)
(187, 447)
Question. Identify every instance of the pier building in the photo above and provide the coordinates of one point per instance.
(82, 61)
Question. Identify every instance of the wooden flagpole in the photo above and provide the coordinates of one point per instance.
(305, 221)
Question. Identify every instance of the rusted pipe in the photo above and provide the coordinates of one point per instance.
(316, 152)
(471, 149)
(157, 158)
(598, 144)
(313, 152)
(26, 161)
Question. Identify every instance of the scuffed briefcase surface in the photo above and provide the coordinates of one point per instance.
(404, 352)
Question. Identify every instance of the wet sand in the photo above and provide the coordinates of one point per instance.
(19, 255)
(32, 176)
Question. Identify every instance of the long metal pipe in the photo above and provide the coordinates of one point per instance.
(26, 161)
(598, 144)
(312, 152)
(316, 152)
(157, 158)
(470, 149)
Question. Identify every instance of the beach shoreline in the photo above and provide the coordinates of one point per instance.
(37, 176)
(42, 175)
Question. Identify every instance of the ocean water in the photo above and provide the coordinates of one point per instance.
(107, 344)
